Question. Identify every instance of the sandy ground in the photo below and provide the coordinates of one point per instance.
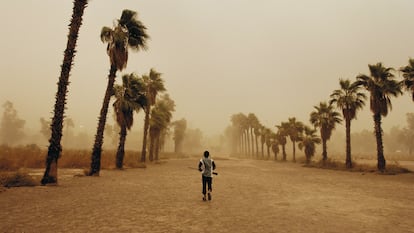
(248, 196)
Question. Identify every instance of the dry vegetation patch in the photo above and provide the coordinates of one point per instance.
(391, 169)
(17, 179)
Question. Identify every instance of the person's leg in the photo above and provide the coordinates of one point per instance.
(204, 191)
(209, 183)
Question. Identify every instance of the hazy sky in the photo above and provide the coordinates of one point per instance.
(274, 58)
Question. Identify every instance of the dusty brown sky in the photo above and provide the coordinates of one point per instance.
(274, 58)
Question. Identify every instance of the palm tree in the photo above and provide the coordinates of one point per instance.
(295, 129)
(281, 135)
(263, 131)
(269, 137)
(128, 33)
(257, 133)
(309, 141)
(275, 146)
(253, 123)
(237, 120)
(349, 99)
(381, 85)
(129, 98)
(325, 118)
(153, 85)
(408, 74)
(161, 116)
(245, 129)
(180, 127)
(55, 148)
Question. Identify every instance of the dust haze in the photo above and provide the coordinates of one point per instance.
(276, 59)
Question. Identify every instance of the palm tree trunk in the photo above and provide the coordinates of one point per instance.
(248, 142)
(246, 151)
(348, 161)
(151, 145)
(157, 146)
(121, 151)
(257, 147)
(262, 151)
(97, 147)
(294, 150)
(53, 153)
(241, 144)
(268, 152)
(380, 148)
(284, 152)
(144, 141)
(324, 153)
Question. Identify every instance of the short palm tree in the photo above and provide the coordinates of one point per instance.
(281, 136)
(325, 118)
(381, 85)
(55, 148)
(130, 97)
(128, 33)
(308, 142)
(408, 74)
(153, 85)
(349, 99)
(294, 130)
(275, 147)
(263, 131)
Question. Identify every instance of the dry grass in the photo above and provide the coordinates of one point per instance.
(391, 169)
(31, 156)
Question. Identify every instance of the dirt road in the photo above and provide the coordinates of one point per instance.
(248, 196)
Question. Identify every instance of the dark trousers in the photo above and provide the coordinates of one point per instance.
(207, 181)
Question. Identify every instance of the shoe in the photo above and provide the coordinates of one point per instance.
(204, 198)
(209, 196)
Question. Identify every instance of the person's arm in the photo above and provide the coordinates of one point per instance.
(199, 166)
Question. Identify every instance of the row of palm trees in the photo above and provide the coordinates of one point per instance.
(381, 85)
(134, 94)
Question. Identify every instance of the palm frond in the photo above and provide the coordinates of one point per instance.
(106, 35)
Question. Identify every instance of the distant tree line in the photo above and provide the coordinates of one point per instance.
(380, 85)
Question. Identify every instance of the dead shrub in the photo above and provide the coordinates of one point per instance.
(17, 179)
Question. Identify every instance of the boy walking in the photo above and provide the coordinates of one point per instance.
(206, 166)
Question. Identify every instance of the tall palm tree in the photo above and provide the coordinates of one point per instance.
(153, 85)
(349, 99)
(295, 129)
(309, 141)
(55, 148)
(408, 74)
(128, 33)
(130, 97)
(281, 135)
(381, 85)
(325, 118)
(161, 116)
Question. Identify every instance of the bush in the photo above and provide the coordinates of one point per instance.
(16, 179)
